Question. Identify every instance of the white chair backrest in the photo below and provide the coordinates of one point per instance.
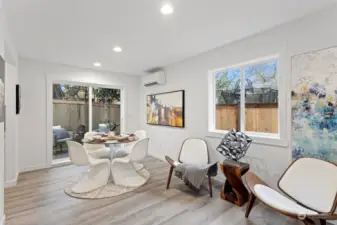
(93, 147)
(140, 133)
(140, 149)
(311, 182)
(77, 153)
(194, 151)
(90, 134)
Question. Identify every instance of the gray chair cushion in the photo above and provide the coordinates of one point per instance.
(61, 134)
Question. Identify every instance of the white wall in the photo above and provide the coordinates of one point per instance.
(8, 145)
(11, 134)
(11, 144)
(314, 32)
(2, 133)
(32, 124)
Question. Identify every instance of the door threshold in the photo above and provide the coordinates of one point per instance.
(61, 162)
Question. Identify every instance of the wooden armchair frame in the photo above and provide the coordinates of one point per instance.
(171, 162)
(252, 180)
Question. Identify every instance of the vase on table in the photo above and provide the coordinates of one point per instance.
(111, 134)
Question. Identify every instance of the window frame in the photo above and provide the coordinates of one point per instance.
(258, 137)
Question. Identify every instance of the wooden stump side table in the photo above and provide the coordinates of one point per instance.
(234, 190)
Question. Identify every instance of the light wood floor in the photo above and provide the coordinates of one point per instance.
(38, 199)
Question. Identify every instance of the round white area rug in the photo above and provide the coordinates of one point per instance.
(108, 191)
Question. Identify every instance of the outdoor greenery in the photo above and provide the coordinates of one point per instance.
(75, 92)
(260, 84)
(112, 126)
(70, 92)
(105, 94)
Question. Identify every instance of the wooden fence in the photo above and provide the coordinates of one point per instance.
(71, 114)
(260, 117)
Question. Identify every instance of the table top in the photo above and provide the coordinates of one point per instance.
(115, 142)
(109, 141)
(237, 164)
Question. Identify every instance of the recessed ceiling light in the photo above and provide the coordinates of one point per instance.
(166, 9)
(97, 64)
(117, 49)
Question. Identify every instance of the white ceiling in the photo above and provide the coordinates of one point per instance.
(80, 32)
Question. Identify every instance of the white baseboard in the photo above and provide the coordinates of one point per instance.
(11, 183)
(157, 156)
(220, 178)
(32, 168)
(61, 162)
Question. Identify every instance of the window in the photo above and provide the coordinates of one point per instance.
(245, 97)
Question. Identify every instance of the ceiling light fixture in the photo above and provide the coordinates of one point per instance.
(166, 9)
(97, 64)
(117, 49)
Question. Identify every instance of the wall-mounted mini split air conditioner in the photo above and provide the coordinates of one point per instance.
(157, 78)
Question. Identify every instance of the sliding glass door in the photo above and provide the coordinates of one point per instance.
(106, 110)
(78, 109)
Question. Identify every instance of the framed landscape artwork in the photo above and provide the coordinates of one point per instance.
(314, 101)
(166, 109)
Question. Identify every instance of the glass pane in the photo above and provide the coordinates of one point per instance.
(228, 87)
(106, 110)
(70, 116)
(261, 94)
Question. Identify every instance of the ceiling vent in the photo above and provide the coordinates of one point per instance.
(157, 78)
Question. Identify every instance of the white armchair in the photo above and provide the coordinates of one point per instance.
(123, 170)
(193, 151)
(98, 174)
(311, 189)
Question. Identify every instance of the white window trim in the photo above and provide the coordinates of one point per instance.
(258, 137)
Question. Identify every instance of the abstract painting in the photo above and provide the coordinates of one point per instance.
(166, 109)
(2, 90)
(314, 114)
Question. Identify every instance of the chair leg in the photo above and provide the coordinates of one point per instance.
(210, 186)
(323, 222)
(169, 177)
(308, 222)
(250, 204)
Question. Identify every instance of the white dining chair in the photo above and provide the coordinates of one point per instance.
(98, 150)
(139, 134)
(123, 170)
(99, 171)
